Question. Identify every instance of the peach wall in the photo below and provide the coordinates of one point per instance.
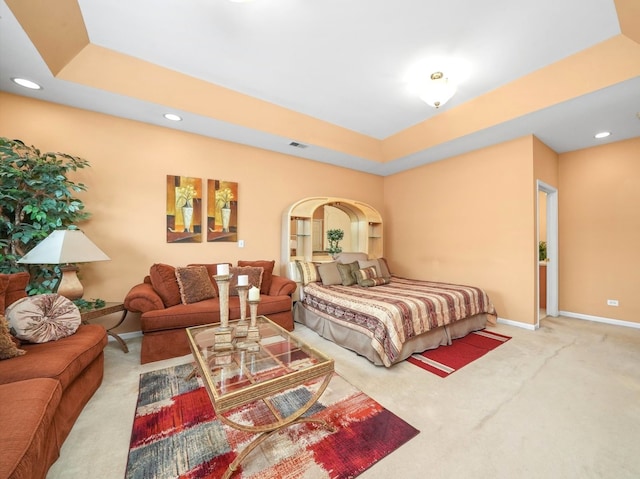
(126, 196)
(468, 220)
(600, 230)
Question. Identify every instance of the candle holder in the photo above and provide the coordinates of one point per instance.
(223, 334)
(242, 326)
(253, 333)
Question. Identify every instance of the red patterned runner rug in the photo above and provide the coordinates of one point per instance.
(176, 434)
(446, 360)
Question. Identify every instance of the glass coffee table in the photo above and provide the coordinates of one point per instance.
(257, 373)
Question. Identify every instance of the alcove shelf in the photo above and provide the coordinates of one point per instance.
(305, 222)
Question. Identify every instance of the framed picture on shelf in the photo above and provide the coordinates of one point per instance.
(222, 210)
(184, 209)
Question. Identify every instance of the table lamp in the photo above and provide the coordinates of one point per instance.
(65, 247)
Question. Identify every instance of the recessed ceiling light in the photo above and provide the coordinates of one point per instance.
(26, 83)
(172, 117)
(602, 134)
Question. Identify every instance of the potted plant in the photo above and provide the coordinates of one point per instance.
(36, 198)
(223, 203)
(542, 251)
(334, 237)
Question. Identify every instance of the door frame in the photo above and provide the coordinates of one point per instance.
(552, 247)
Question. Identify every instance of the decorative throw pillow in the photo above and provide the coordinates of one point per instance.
(254, 274)
(43, 318)
(346, 258)
(369, 277)
(347, 273)
(8, 348)
(329, 273)
(212, 270)
(194, 284)
(384, 268)
(308, 272)
(267, 274)
(165, 283)
(369, 263)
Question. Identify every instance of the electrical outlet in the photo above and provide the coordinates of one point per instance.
(612, 302)
(240, 243)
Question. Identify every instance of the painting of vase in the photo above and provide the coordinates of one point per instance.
(184, 209)
(222, 210)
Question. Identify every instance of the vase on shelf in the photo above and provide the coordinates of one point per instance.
(226, 217)
(187, 216)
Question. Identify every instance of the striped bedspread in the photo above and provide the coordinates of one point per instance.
(393, 313)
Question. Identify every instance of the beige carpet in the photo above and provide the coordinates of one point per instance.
(560, 402)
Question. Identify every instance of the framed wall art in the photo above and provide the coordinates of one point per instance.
(184, 209)
(222, 210)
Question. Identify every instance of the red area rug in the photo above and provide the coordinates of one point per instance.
(446, 360)
(176, 434)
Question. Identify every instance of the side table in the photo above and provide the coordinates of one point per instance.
(108, 308)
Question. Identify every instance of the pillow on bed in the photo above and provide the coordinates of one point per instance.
(329, 273)
(347, 273)
(368, 277)
(308, 272)
(370, 263)
(346, 258)
(384, 268)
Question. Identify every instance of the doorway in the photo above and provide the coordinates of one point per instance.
(547, 216)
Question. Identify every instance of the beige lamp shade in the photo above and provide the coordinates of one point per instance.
(65, 247)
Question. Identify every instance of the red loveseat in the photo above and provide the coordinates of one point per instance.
(165, 316)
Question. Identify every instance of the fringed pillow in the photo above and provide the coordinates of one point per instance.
(194, 284)
(43, 318)
(8, 348)
(253, 272)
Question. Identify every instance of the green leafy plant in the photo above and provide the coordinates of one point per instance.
(36, 198)
(334, 237)
(542, 247)
(86, 305)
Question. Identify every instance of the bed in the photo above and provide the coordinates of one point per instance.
(389, 322)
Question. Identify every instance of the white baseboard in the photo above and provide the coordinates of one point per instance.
(517, 324)
(599, 319)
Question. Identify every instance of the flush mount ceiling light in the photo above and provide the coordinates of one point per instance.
(602, 134)
(172, 117)
(437, 91)
(23, 82)
(435, 80)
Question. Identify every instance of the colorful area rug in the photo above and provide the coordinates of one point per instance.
(446, 360)
(176, 434)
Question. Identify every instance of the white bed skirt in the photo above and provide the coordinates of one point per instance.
(361, 343)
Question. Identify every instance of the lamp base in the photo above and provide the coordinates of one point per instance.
(70, 286)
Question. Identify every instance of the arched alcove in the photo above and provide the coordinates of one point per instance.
(304, 224)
